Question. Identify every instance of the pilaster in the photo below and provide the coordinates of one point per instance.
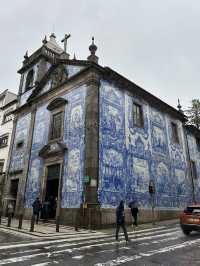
(23, 179)
(92, 139)
(6, 186)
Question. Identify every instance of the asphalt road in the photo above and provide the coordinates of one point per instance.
(161, 245)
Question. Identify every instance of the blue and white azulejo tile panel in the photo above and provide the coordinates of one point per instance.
(130, 156)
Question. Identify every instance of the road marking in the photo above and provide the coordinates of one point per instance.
(75, 238)
(123, 259)
(132, 236)
(41, 264)
(56, 253)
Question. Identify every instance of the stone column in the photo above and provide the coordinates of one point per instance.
(6, 186)
(23, 179)
(92, 149)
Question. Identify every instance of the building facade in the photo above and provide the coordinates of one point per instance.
(87, 136)
(8, 101)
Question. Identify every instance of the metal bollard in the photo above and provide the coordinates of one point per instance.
(9, 220)
(57, 223)
(32, 223)
(20, 221)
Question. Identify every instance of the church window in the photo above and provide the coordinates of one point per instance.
(29, 80)
(56, 129)
(138, 120)
(3, 141)
(193, 169)
(175, 137)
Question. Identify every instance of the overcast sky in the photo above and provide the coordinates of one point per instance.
(154, 43)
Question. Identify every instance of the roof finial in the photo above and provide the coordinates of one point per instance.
(179, 106)
(67, 36)
(26, 55)
(93, 49)
(44, 40)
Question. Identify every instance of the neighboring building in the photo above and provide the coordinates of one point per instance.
(8, 101)
(86, 134)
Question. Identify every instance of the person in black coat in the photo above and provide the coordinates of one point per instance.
(36, 209)
(134, 211)
(120, 220)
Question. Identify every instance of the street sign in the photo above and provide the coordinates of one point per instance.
(87, 179)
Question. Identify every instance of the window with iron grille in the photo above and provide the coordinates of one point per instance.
(29, 80)
(3, 141)
(175, 137)
(56, 129)
(193, 169)
(138, 120)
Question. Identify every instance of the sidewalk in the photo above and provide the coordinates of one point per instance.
(41, 230)
(142, 226)
(48, 230)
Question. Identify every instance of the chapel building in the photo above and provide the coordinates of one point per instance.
(84, 135)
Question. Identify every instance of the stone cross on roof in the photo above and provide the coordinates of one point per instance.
(67, 36)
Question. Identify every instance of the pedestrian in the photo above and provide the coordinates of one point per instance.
(134, 211)
(36, 209)
(120, 220)
(10, 209)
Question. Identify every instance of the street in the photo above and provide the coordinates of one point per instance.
(158, 245)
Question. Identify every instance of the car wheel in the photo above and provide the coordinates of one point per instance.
(186, 231)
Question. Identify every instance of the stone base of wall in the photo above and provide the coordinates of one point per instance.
(144, 216)
(96, 218)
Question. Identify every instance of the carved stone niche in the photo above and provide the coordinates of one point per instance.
(53, 149)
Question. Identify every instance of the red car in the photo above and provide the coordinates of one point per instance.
(190, 219)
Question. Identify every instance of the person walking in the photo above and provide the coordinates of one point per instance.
(120, 220)
(134, 211)
(36, 209)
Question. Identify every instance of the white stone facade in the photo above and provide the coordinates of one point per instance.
(8, 101)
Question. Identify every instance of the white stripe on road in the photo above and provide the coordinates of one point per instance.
(41, 264)
(132, 235)
(68, 240)
(160, 241)
(70, 250)
(123, 259)
(49, 254)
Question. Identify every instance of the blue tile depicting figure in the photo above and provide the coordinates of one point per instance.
(74, 135)
(130, 156)
(40, 138)
(19, 154)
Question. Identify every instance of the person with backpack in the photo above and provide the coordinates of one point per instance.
(134, 211)
(120, 220)
(36, 209)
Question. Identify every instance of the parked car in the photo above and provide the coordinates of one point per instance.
(190, 219)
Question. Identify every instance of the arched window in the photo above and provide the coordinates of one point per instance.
(29, 80)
